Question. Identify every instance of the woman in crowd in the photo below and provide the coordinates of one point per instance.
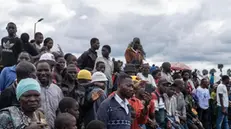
(48, 44)
(26, 116)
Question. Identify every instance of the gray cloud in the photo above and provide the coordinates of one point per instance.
(183, 36)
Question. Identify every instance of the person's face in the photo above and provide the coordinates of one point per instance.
(158, 75)
(105, 52)
(226, 81)
(229, 82)
(50, 44)
(136, 43)
(101, 67)
(24, 57)
(206, 83)
(73, 60)
(71, 72)
(43, 72)
(204, 72)
(39, 38)
(179, 84)
(167, 67)
(30, 101)
(194, 74)
(170, 91)
(60, 63)
(96, 45)
(163, 87)
(11, 29)
(186, 75)
(71, 124)
(74, 110)
(145, 69)
(140, 93)
(126, 88)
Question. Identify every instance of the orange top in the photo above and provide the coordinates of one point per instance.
(131, 54)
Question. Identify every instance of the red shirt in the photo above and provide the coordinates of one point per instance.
(139, 118)
(138, 106)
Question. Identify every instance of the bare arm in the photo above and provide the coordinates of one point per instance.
(221, 100)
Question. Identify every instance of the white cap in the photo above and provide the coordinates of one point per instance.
(47, 57)
(99, 77)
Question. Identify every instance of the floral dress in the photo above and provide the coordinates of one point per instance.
(14, 118)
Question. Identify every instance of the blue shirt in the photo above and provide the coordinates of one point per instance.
(7, 77)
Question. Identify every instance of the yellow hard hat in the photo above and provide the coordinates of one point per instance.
(84, 74)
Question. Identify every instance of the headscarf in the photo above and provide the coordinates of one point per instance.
(27, 85)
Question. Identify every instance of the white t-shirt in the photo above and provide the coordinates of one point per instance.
(159, 105)
(222, 89)
(149, 79)
(203, 96)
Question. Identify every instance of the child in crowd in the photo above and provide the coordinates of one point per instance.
(65, 121)
(100, 66)
(95, 95)
(69, 105)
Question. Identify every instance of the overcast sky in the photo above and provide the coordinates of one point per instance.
(196, 32)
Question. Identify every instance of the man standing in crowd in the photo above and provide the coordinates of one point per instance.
(157, 96)
(87, 59)
(38, 41)
(51, 94)
(109, 65)
(203, 96)
(11, 46)
(115, 111)
(223, 104)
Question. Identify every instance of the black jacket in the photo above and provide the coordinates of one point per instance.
(87, 60)
(8, 97)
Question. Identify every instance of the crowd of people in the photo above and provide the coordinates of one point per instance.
(45, 89)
